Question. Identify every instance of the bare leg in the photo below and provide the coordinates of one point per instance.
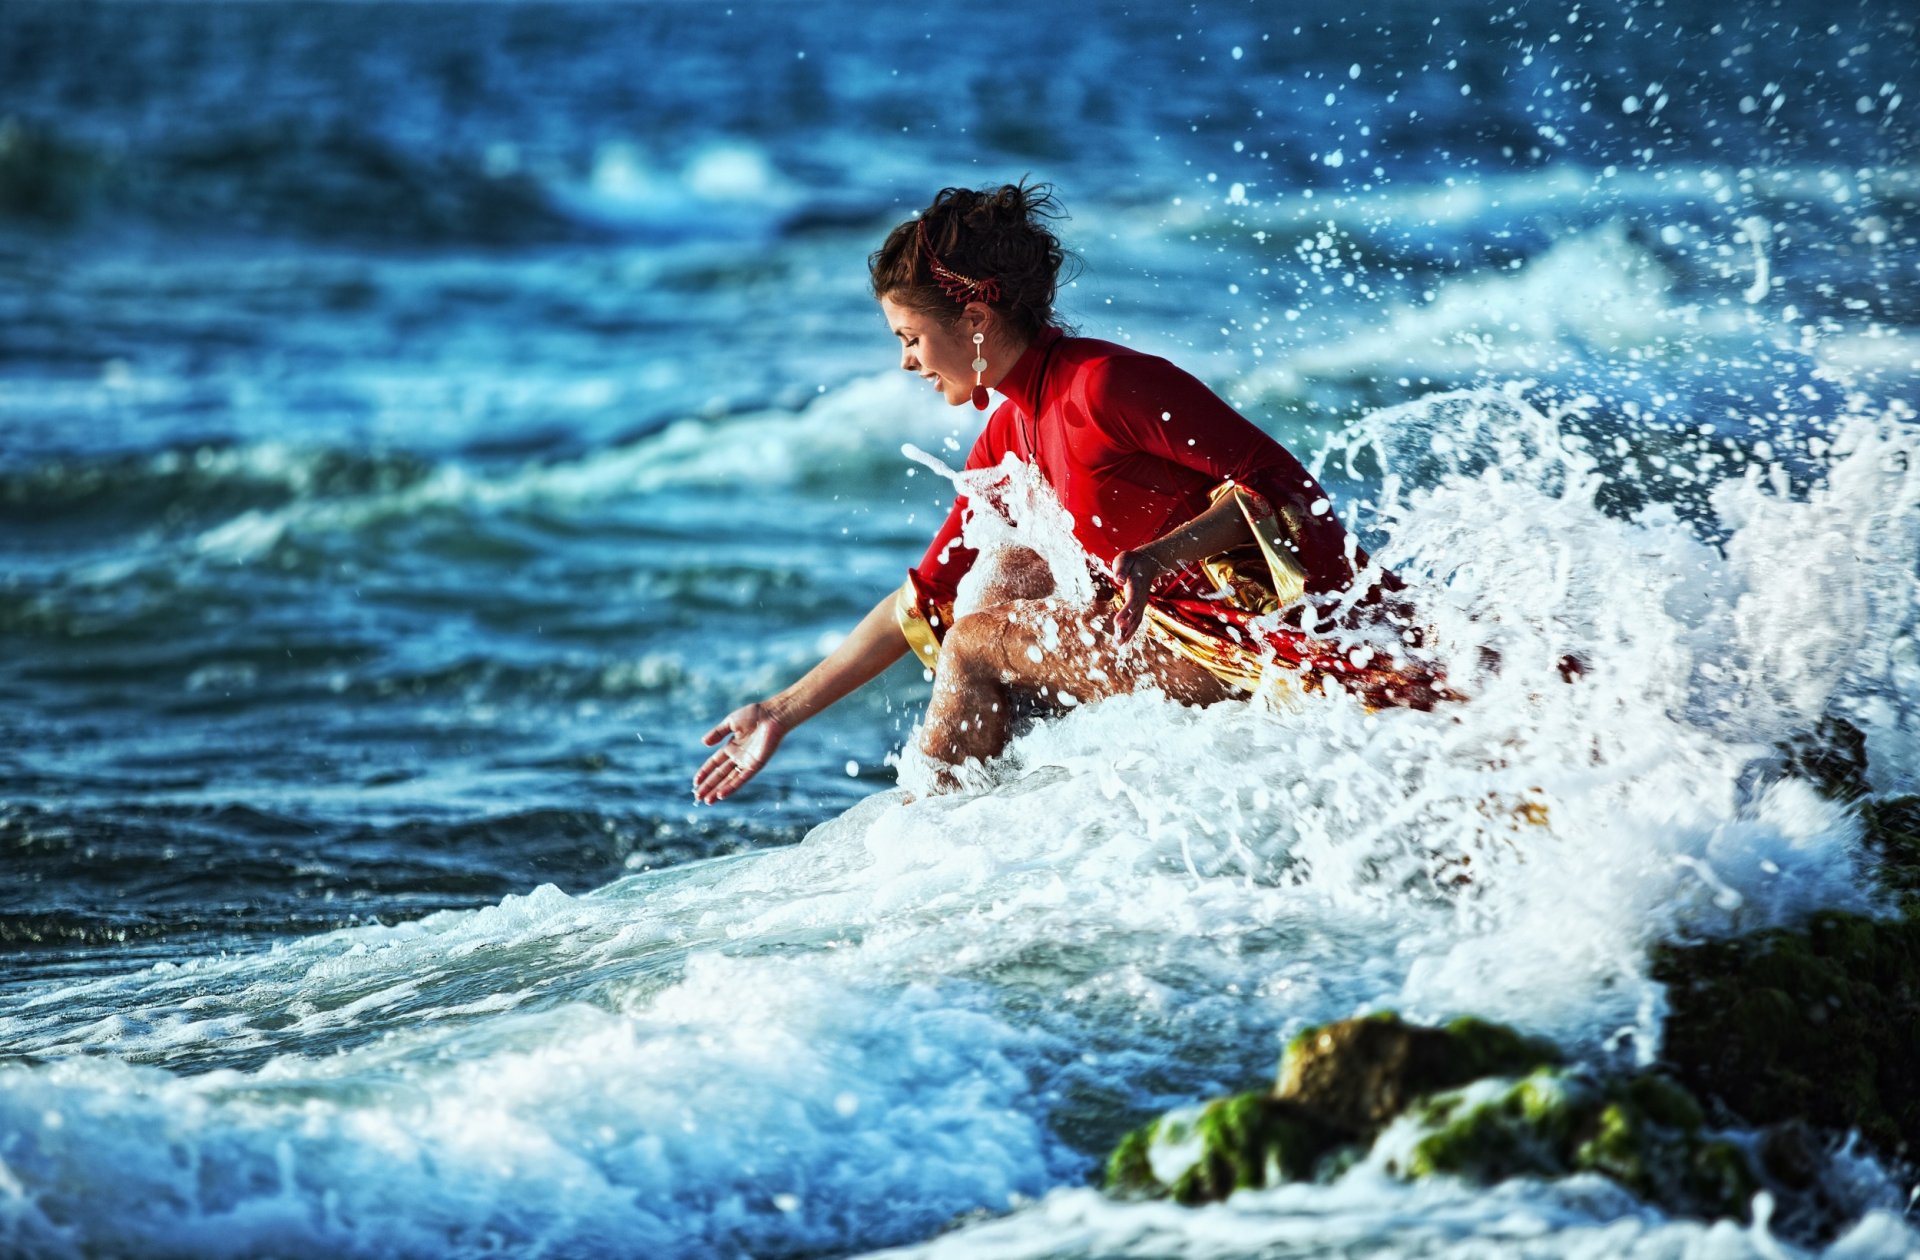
(1012, 573)
(1039, 656)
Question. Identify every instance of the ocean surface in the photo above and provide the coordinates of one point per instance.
(419, 422)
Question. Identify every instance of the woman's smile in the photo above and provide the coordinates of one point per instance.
(937, 353)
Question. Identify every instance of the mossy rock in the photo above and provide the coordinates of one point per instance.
(1484, 1102)
(1820, 1024)
(1832, 756)
(1359, 1073)
(1674, 1166)
(1339, 1084)
(1203, 1154)
(1893, 837)
(1644, 1132)
(1500, 1128)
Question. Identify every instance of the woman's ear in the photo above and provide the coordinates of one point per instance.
(976, 317)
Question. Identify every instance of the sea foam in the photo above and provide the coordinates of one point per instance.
(954, 1005)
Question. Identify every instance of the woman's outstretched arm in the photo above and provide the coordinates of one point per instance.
(750, 734)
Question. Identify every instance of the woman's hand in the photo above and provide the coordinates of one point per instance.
(752, 733)
(1136, 573)
(749, 735)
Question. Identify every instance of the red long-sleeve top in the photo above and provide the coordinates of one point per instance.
(1133, 447)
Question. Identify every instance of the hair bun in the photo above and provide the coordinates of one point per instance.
(1000, 234)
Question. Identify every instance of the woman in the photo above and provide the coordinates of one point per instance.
(1199, 527)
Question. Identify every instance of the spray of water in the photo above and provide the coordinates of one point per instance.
(960, 1002)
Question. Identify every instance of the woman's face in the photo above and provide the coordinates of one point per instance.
(938, 352)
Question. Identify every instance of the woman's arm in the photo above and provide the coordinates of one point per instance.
(1151, 407)
(1215, 530)
(757, 729)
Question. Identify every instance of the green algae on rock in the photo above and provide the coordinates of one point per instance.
(1473, 1099)
(1203, 1154)
(1789, 1030)
(1821, 1023)
(1644, 1132)
(1339, 1085)
(1360, 1073)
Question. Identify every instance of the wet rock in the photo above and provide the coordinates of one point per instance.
(1833, 756)
(1820, 1024)
(1644, 1132)
(1474, 1099)
(1893, 838)
(1804, 1035)
(1359, 1073)
(1815, 1025)
(1339, 1085)
(1203, 1154)
(1792, 1156)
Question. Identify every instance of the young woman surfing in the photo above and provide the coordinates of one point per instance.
(1221, 567)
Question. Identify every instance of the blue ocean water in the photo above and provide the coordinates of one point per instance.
(422, 420)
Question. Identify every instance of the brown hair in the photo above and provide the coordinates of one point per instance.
(999, 234)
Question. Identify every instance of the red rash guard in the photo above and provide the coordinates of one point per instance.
(1134, 446)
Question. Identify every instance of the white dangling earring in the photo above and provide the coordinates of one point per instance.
(979, 369)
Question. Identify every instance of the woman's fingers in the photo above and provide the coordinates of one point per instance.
(725, 784)
(721, 784)
(747, 739)
(724, 757)
(1130, 570)
(735, 761)
(712, 769)
(1126, 619)
(732, 782)
(710, 777)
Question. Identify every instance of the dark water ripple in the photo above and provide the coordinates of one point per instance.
(197, 876)
(419, 422)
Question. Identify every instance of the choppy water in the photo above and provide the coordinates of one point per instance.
(421, 421)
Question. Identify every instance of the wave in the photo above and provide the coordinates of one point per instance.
(923, 1011)
(238, 501)
(1597, 293)
(1729, 387)
(1687, 293)
(333, 182)
(210, 876)
(1582, 311)
(1431, 220)
(847, 437)
(200, 481)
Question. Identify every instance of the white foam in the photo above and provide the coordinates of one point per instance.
(726, 187)
(1595, 292)
(1582, 1218)
(1012, 507)
(848, 432)
(846, 1043)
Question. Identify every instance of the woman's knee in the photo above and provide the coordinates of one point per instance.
(1015, 573)
(1025, 643)
(972, 646)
